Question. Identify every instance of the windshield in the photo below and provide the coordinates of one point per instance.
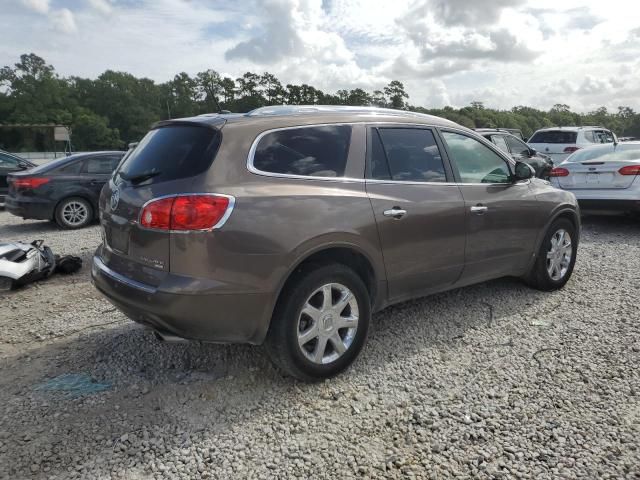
(170, 153)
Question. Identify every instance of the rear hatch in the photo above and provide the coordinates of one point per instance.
(166, 162)
(602, 167)
(558, 144)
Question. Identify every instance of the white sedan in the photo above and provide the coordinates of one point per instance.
(602, 177)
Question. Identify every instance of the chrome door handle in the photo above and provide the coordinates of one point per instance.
(479, 209)
(395, 212)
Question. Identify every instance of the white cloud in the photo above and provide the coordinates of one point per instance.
(39, 6)
(102, 6)
(505, 53)
(63, 21)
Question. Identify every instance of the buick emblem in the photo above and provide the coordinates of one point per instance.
(115, 198)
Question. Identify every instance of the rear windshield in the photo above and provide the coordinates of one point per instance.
(554, 136)
(607, 154)
(172, 152)
(318, 151)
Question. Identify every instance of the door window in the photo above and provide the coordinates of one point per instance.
(516, 146)
(98, 166)
(7, 162)
(476, 162)
(406, 154)
(500, 142)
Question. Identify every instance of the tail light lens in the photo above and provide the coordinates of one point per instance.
(186, 212)
(630, 170)
(28, 183)
(571, 149)
(559, 172)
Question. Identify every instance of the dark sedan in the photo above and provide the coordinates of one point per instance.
(65, 190)
(520, 151)
(10, 164)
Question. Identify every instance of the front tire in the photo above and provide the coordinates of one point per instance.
(320, 323)
(556, 258)
(74, 212)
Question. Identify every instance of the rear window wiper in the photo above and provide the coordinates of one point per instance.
(140, 177)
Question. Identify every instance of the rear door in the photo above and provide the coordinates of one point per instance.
(502, 217)
(418, 209)
(164, 163)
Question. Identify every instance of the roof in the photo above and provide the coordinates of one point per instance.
(291, 115)
(569, 128)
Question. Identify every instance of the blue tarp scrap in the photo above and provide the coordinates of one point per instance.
(73, 385)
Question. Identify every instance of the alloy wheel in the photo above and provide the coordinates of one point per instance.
(559, 255)
(74, 213)
(328, 323)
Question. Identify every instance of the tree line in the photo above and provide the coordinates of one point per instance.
(117, 107)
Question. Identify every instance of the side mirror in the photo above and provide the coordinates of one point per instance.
(523, 171)
(532, 152)
(23, 165)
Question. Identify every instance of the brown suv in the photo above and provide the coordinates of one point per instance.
(291, 225)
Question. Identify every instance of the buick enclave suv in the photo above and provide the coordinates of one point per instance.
(291, 225)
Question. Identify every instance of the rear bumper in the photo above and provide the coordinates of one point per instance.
(34, 208)
(193, 315)
(609, 205)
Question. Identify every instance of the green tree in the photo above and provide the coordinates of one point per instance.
(396, 94)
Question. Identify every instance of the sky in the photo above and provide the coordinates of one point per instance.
(585, 54)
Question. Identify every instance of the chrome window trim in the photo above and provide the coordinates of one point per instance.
(121, 278)
(220, 224)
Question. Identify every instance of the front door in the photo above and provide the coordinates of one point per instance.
(501, 215)
(419, 210)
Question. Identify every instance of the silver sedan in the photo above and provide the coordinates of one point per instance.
(602, 177)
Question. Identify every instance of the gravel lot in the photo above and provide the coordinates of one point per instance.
(491, 381)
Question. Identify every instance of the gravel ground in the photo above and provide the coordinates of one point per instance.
(490, 381)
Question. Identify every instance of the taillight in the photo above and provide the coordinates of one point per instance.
(186, 212)
(559, 172)
(33, 182)
(630, 170)
(570, 149)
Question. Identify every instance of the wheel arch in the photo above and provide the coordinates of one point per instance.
(345, 254)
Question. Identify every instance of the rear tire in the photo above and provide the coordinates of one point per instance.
(556, 258)
(73, 212)
(320, 323)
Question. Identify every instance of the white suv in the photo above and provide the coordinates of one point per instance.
(560, 142)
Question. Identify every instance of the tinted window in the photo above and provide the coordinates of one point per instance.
(554, 136)
(8, 162)
(516, 146)
(476, 162)
(310, 151)
(71, 168)
(378, 159)
(172, 152)
(101, 165)
(500, 142)
(411, 154)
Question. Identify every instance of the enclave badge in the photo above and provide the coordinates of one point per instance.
(115, 198)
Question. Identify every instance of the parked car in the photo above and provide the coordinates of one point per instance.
(291, 225)
(9, 164)
(519, 150)
(560, 142)
(65, 190)
(603, 177)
